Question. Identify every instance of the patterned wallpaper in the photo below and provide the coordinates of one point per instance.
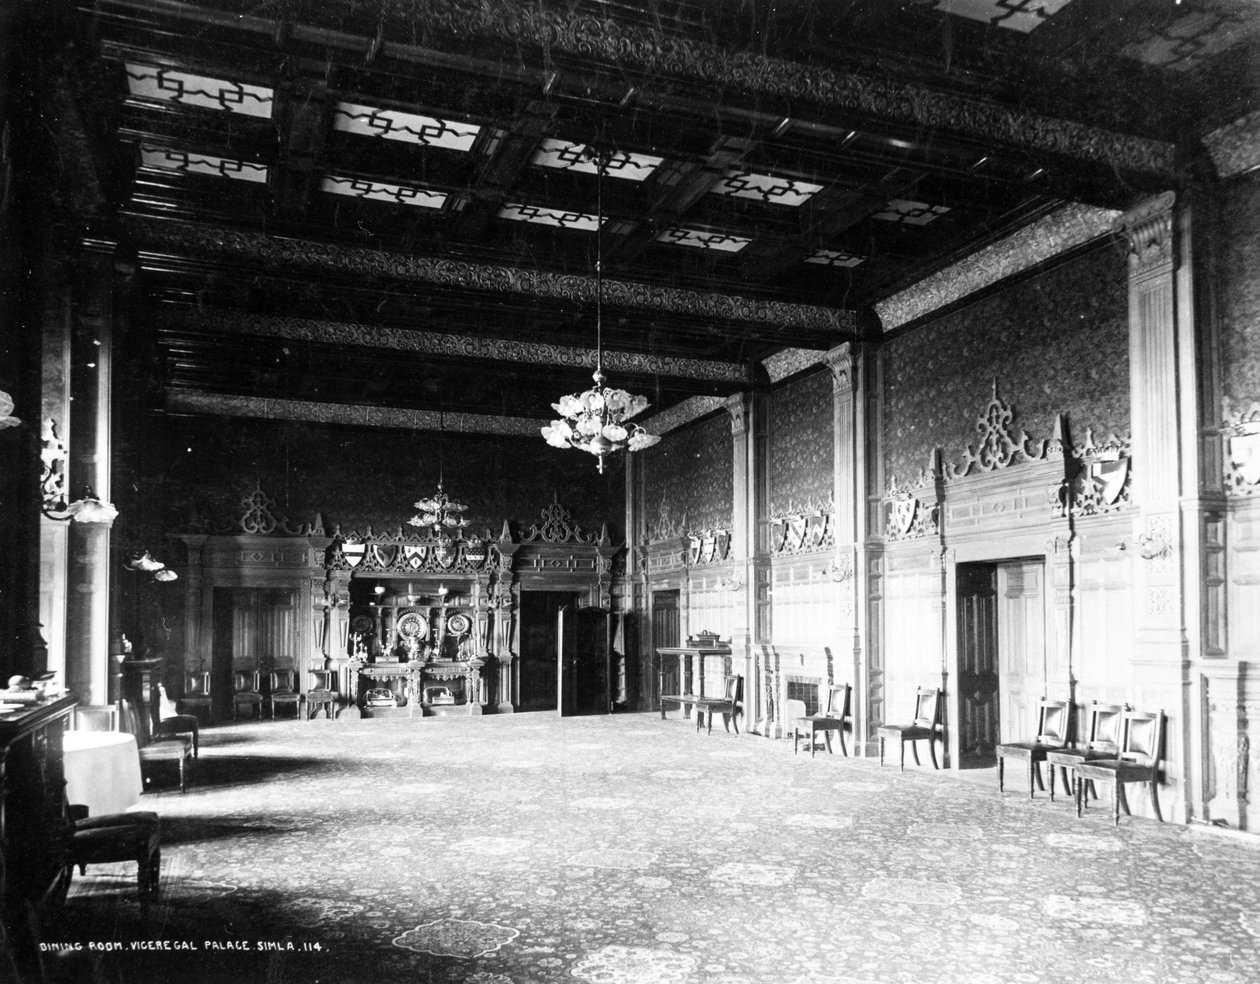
(1240, 292)
(1057, 342)
(360, 476)
(801, 453)
(689, 480)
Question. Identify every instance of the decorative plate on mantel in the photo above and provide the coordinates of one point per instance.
(458, 624)
(362, 624)
(413, 625)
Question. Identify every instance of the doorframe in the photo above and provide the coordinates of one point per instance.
(989, 549)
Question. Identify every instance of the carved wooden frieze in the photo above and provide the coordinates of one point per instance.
(356, 415)
(401, 552)
(232, 322)
(1241, 431)
(789, 361)
(1101, 479)
(692, 408)
(908, 517)
(708, 547)
(1068, 227)
(326, 259)
(1235, 147)
(654, 50)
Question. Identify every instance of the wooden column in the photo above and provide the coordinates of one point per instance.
(87, 601)
(1161, 368)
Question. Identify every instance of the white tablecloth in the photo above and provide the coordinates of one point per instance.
(102, 770)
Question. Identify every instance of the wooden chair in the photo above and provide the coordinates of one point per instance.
(113, 838)
(96, 717)
(1053, 724)
(835, 717)
(246, 690)
(170, 722)
(927, 727)
(164, 749)
(726, 705)
(323, 694)
(281, 690)
(196, 696)
(1102, 741)
(1138, 761)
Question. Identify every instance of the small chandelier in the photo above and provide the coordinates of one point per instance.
(595, 420)
(439, 512)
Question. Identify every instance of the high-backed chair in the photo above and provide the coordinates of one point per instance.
(170, 722)
(927, 726)
(196, 696)
(281, 689)
(246, 691)
(113, 838)
(725, 705)
(836, 716)
(166, 749)
(1103, 733)
(1053, 723)
(323, 694)
(1138, 761)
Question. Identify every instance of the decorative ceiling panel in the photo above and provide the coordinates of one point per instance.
(1016, 15)
(187, 89)
(408, 127)
(911, 213)
(834, 258)
(383, 191)
(207, 164)
(575, 157)
(766, 188)
(700, 239)
(1194, 36)
(519, 212)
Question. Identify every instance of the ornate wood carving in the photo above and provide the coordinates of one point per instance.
(325, 259)
(1071, 226)
(354, 414)
(798, 533)
(558, 527)
(1242, 462)
(401, 552)
(259, 519)
(999, 446)
(223, 321)
(1149, 229)
(656, 51)
(789, 362)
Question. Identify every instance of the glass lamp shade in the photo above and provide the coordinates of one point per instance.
(595, 421)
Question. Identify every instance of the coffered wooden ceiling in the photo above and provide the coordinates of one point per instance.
(386, 204)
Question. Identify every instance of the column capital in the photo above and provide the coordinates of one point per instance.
(843, 362)
(737, 406)
(1149, 231)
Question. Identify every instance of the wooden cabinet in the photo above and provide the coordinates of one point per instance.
(33, 827)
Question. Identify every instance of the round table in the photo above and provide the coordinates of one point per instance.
(102, 770)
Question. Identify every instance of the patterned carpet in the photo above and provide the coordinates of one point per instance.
(626, 850)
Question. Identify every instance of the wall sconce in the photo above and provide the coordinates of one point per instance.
(1152, 547)
(146, 563)
(85, 509)
(6, 412)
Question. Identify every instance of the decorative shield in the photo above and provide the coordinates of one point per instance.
(353, 552)
(723, 543)
(1244, 451)
(413, 556)
(798, 526)
(380, 556)
(1110, 476)
(693, 549)
(443, 554)
(903, 512)
(475, 552)
(708, 544)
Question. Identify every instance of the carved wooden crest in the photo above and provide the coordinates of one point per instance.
(903, 511)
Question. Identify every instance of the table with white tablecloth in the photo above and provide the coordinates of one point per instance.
(102, 770)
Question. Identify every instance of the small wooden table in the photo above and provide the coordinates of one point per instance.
(687, 662)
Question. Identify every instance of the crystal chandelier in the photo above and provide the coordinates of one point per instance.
(595, 420)
(439, 512)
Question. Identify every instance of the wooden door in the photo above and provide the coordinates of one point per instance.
(253, 628)
(666, 634)
(537, 680)
(978, 680)
(1021, 645)
(583, 658)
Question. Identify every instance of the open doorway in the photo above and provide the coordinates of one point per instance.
(1001, 654)
(583, 661)
(540, 612)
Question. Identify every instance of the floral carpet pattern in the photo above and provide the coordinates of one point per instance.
(526, 849)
